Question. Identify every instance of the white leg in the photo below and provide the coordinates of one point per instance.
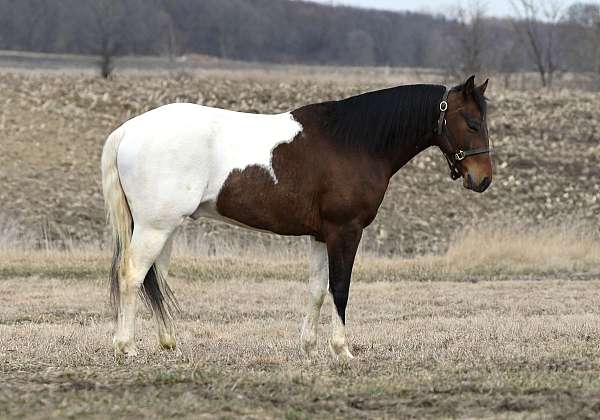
(317, 289)
(338, 346)
(165, 327)
(146, 245)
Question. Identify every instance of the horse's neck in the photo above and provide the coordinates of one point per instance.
(406, 151)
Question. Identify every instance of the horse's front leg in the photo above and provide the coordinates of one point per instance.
(317, 289)
(342, 244)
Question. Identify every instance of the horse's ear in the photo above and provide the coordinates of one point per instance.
(469, 86)
(483, 87)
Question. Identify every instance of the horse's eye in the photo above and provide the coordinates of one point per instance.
(473, 126)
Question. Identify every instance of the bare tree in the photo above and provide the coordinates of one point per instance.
(537, 26)
(228, 23)
(583, 20)
(361, 48)
(167, 28)
(107, 24)
(593, 33)
(508, 63)
(471, 39)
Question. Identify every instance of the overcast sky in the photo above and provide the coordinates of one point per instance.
(495, 7)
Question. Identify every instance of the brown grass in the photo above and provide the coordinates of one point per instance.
(423, 350)
(497, 348)
(476, 254)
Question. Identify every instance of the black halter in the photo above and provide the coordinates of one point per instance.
(454, 156)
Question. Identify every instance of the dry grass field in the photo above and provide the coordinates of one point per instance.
(462, 305)
(512, 333)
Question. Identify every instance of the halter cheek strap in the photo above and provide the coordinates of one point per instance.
(453, 157)
(443, 109)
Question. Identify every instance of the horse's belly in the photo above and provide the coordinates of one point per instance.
(280, 199)
(251, 199)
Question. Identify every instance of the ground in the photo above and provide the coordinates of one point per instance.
(424, 349)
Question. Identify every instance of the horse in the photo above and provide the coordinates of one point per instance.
(319, 171)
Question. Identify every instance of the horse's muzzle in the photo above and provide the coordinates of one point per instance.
(481, 187)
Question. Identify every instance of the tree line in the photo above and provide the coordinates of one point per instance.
(543, 37)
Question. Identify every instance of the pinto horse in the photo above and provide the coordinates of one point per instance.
(321, 171)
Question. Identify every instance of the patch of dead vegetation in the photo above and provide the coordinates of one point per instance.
(489, 349)
(53, 126)
(453, 335)
(475, 255)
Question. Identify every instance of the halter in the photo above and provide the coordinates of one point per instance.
(453, 158)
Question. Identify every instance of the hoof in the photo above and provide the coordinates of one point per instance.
(340, 352)
(167, 342)
(124, 347)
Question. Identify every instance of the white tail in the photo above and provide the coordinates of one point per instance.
(117, 210)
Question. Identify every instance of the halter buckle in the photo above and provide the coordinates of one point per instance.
(459, 156)
(443, 106)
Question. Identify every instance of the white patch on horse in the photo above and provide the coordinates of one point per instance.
(251, 139)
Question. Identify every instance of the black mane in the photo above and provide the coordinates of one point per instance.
(377, 121)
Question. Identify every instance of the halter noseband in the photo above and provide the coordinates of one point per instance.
(444, 132)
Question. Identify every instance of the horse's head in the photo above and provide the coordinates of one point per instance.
(463, 135)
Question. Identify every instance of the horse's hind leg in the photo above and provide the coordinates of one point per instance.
(166, 330)
(146, 245)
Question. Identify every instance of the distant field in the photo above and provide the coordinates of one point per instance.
(198, 64)
(52, 128)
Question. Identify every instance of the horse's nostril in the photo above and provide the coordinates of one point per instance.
(470, 181)
(485, 183)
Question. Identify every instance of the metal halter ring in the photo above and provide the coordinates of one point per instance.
(443, 106)
(459, 156)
